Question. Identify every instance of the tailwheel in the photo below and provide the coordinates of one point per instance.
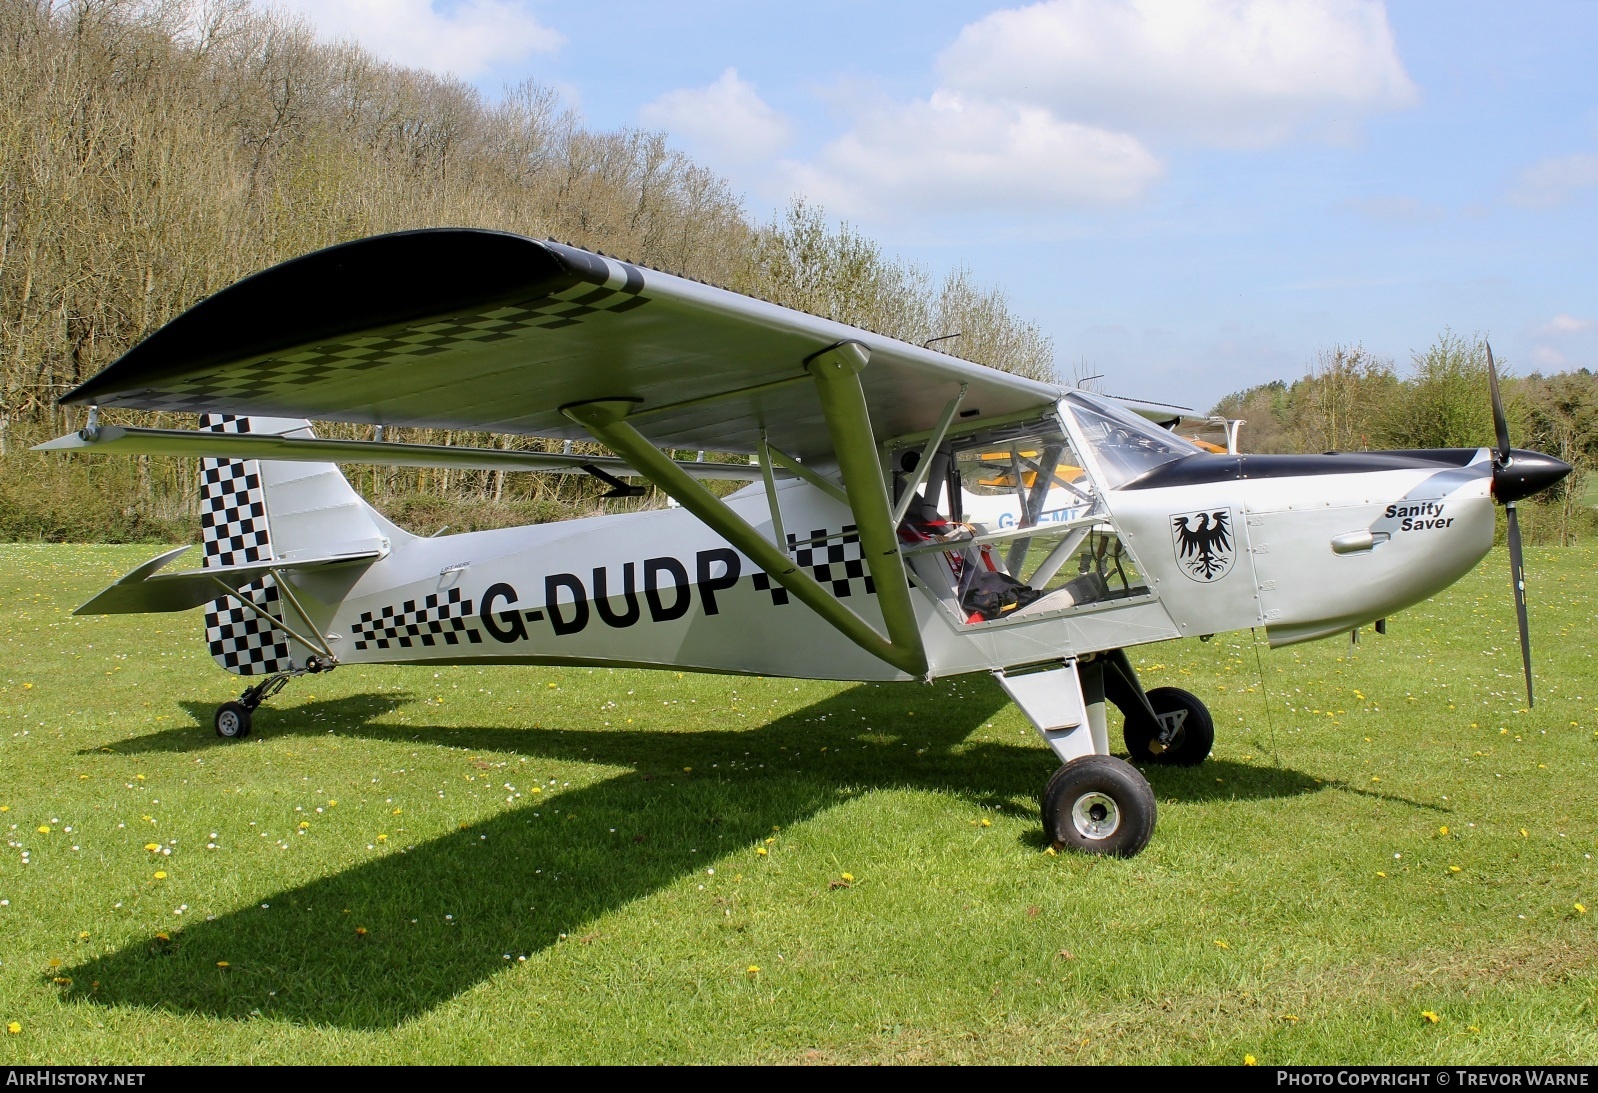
(1180, 734)
(1099, 805)
(233, 721)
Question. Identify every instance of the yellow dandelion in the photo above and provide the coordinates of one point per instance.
(986, 822)
(1524, 833)
(848, 878)
(1453, 868)
(1376, 777)
(382, 838)
(83, 935)
(760, 850)
(14, 1027)
(536, 789)
(1249, 1060)
(1222, 945)
(152, 847)
(140, 777)
(396, 812)
(160, 874)
(223, 964)
(360, 931)
(55, 962)
(1379, 873)
(5, 808)
(687, 770)
(162, 936)
(304, 825)
(1430, 1017)
(44, 829)
(1051, 852)
(1580, 910)
(1443, 830)
(753, 969)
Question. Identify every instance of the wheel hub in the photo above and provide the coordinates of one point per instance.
(1095, 816)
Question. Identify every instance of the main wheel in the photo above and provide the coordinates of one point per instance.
(1192, 737)
(233, 721)
(1099, 805)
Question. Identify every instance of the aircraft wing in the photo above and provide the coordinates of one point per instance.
(483, 330)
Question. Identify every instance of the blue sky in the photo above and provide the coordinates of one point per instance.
(1189, 196)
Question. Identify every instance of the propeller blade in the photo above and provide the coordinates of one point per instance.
(1517, 570)
(1500, 421)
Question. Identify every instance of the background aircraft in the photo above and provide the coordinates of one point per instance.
(908, 515)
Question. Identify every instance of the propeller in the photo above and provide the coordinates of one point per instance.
(1518, 474)
(1503, 458)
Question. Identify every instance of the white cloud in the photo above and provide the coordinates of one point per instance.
(951, 152)
(466, 39)
(1055, 105)
(1565, 324)
(1548, 357)
(726, 121)
(1554, 181)
(1230, 72)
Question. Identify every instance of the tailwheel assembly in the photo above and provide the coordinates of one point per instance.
(233, 719)
(1099, 805)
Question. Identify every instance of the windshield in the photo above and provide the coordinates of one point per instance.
(1127, 444)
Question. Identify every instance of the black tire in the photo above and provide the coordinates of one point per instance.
(1194, 737)
(232, 721)
(1099, 805)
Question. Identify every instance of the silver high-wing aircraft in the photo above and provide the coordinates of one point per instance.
(906, 515)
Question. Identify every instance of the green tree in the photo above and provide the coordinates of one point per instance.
(1445, 402)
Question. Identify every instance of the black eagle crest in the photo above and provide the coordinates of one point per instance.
(1204, 543)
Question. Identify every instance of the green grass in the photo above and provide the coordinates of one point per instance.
(583, 923)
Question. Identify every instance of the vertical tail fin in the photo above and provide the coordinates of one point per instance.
(258, 510)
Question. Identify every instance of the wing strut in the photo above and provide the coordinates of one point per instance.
(836, 372)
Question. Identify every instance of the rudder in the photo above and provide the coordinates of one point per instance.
(254, 510)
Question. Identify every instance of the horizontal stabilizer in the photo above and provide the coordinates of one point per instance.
(114, 440)
(146, 590)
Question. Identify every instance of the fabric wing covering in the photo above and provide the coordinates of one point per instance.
(484, 330)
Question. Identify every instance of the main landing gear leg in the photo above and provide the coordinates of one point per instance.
(1095, 803)
(233, 718)
(1167, 726)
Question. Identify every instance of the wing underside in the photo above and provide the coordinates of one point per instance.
(469, 329)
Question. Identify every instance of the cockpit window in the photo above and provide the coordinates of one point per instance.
(1008, 526)
(1127, 445)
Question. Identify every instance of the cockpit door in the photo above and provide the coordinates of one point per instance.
(1193, 541)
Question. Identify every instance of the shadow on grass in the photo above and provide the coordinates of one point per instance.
(444, 915)
(332, 715)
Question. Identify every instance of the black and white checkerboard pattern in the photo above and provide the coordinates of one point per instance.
(346, 359)
(233, 528)
(836, 564)
(442, 617)
(240, 640)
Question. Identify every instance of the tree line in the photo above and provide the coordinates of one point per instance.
(1350, 399)
(155, 151)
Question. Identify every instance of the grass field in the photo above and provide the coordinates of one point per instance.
(563, 865)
